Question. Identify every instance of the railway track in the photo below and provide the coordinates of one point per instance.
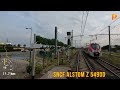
(110, 67)
(87, 62)
(78, 62)
(74, 65)
(95, 65)
(90, 66)
(101, 65)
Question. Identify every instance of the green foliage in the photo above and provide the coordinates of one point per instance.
(38, 68)
(42, 53)
(2, 50)
(112, 59)
(6, 47)
(29, 69)
(24, 45)
(46, 41)
(8, 50)
(72, 47)
(65, 45)
(105, 47)
(18, 45)
(117, 47)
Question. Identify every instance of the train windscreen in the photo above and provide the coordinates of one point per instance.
(95, 46)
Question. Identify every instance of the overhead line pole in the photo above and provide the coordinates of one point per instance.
(33, 60)
(30, 45)
(55, 42)
(109, 41)
(109, 38)
(72, 39)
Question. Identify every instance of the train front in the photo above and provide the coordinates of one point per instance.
(95, 50)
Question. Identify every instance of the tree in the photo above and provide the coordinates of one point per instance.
(105, 47)
(24, 45)
(117, 47)
(14, 45)
(18, 45)
(46, 41)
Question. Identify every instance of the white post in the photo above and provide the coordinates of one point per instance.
(68, 54)
(58, 58)
(33, 60)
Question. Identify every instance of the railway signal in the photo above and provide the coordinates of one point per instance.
(68, 42)
(71, 38)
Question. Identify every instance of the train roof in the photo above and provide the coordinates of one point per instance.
(94, 43)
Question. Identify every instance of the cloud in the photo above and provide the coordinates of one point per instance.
(13, 24)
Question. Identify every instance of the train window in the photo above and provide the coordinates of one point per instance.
(95, 46)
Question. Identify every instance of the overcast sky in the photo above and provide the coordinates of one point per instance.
(13, 24)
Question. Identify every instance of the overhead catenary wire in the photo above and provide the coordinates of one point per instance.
(103, 28)
(85, 21)
(115, 26)
(84, 24)
(114, 21)
(82, 21)
(110, 24)
(106, 34)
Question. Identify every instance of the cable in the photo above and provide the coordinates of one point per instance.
(113, 21)
(103, 28)
(115, 26)
(82, 21)
(110, 24)
(85, 22)
(83, 28)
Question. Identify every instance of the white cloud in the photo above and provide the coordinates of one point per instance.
(43, 23)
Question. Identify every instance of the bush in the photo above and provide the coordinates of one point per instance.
(29, 69)
(2, 50)
(38, 68)
(72, 47)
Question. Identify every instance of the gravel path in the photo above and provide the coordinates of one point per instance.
(49, 74)
(83, 67)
